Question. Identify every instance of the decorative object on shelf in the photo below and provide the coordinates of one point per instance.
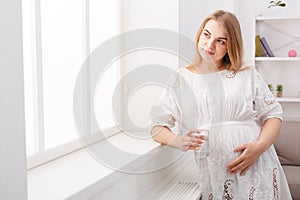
(270, 86)
(276, 3)
(276, 7)
(292, 53)
(259, 49)
(279, 89)
(266, 47)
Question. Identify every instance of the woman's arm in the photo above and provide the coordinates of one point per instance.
(187, 141)
(269, 133)
(251, 151)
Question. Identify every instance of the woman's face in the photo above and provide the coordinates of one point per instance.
(213, 42)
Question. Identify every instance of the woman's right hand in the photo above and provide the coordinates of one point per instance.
(190, 140)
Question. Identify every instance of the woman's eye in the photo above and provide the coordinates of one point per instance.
(221, 41)
(206, 35)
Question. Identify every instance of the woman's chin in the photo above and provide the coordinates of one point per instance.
(207, 58)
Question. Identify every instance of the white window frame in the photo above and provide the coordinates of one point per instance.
(41, 156)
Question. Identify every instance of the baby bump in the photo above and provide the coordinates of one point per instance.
(222, 140)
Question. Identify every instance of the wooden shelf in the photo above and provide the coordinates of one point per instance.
(272, 59)
(288, 99)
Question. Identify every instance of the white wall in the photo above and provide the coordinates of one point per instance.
(12, 141)
(193, 12)
(150, 14)
(139, 14)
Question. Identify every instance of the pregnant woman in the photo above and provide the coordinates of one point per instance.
(233, 104)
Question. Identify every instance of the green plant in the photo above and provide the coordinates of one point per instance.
(270, 86)
(279, 88)
(276, 3)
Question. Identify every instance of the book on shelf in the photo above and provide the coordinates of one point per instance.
(266, 46)
(259, 49)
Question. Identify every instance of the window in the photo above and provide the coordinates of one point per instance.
(58, 36)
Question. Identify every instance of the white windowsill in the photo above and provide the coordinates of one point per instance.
(68, 175)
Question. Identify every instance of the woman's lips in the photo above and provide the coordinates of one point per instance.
(208, 52)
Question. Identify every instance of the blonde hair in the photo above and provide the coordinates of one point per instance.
(233, 59)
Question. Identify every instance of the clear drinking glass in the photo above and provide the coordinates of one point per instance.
(201, 158)
(204, 149)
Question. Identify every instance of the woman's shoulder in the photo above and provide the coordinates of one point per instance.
(247, 70)
(186, 72)
(175, 78)
(250, 72)
(190, 68)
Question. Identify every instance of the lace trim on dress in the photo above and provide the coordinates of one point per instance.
(230, 74)
(251, 193)
(229, 182)
(176, 83)
(269, 100)
(226, 194)
(275, 184)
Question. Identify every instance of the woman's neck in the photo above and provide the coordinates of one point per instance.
(209, 67)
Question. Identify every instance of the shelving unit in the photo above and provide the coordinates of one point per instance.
(270, 59)
(276, 18)
(282, 35)
(289, 99)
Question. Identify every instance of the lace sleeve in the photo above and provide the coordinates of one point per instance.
(264, 101)
(166, 113)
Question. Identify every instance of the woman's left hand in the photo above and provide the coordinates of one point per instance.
(250, 153)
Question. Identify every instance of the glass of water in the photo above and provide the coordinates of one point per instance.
(204, 148)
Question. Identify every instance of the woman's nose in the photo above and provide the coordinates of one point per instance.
(210, 44)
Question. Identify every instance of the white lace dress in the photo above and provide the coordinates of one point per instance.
(232, 106)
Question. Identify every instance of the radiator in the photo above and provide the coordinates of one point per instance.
(182, 191)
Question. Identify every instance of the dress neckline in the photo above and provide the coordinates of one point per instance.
(207, 74)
